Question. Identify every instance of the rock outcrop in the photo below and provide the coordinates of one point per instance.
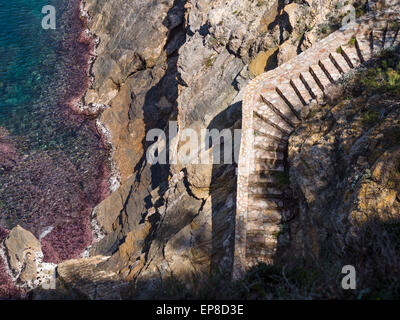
(24, 258)
(80, 278)
(23, 251)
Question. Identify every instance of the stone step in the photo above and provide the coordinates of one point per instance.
(359, 52)
(255, 256)
(396, 41)
(268, 184)
(311, 85)
(268, 196)
(263, 191)
(339, 62)
(319, 77)
(330, 70)
(269, 130)
(254, 259)
(270, 147)
(260, 241)
(351, 55)
(263, 235)
(270, 161)
(256, 247)
(266, 164)
(263, 204)
(266, 144)
(269, 117)
(265, 178)
(390, 38)
(268, 137)
(267, 154)
(378, 41)
(263, 229)
(264, 212)
(265, 216)
(273, 118)
(301, 91)
(346, 57)
(275, 102)
(364, 45)
(287, 92)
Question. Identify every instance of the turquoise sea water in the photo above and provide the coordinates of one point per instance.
(52, 161)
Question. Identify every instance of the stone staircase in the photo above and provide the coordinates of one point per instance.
(271, 106)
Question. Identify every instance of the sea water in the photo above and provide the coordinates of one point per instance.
(53, 163)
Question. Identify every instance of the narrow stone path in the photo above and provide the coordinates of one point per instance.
(271, 106)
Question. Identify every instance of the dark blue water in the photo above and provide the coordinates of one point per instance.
(52, 160)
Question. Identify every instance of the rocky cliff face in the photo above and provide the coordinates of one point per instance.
(183, 61)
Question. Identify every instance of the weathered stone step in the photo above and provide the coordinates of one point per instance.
(378, 40)
(266, 178)
(269, 117)
(330, 70)
(263, 204)
(267, 136)
(263, 143)
(345, 57)
(262, 235)
(390, 38)
(267, 154)
(364, 45)
(301, 91)
(273, 118)
(268, 130)
(255, 258)
(259, 242)
(292, 100)
(350, 54)
(259, 190)
(319, 77)
(311, 85)
(339, 62)
(263, 184)
(269, 161)
(265, 216)
(267, 220)
(396, 42)
(269, 148)
(258, 248)
(275, 102)
(261, 229)
(268, 165)
(268, 196)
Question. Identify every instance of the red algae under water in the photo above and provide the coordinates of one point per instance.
(56, 195)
